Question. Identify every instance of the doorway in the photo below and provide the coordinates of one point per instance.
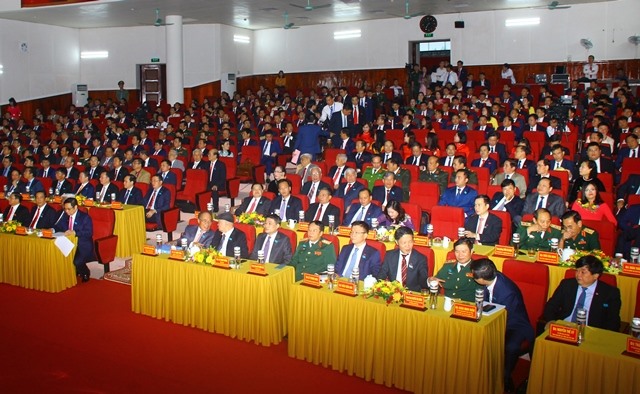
(429, 54)
(153, 84)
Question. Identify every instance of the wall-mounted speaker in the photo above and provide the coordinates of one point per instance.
(458, 24)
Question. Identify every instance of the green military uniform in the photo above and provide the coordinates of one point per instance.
(458, 284)
(439, 177)
(371, 177)
(537, 240)
(313, 259)
(587, 239)
(473, 177)
(181, 151)
(404, 176)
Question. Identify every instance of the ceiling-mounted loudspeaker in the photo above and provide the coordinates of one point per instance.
(458, 24)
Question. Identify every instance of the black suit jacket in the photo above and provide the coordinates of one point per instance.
(219, 177)
(237, 238)
(422, 160)
(121, 174)
(47, 218)
(111, 189)
(365, 157)
(533, 182)
(262, 207)
(514, 207)
(416, 269)
(604, 311)
(294, 206)
(21, 215)
(134, 198)
(492, 228)
(379, 194)
(65, 188)
(281, 250)
(631, 186)
(331, 209)
(507, 293)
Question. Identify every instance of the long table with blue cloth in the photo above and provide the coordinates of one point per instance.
(229, 302)
(422, 352)
(595, 366)
(35, 263)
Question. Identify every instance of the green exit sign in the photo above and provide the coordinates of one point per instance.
(428, 34)
(155, 60)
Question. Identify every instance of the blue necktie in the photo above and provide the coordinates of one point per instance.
(579, 304)
(352, 263)
(266, 247)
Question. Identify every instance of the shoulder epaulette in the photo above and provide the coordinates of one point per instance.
(589, 230)
(556, 227)
(526, 224)
(304, 240)
(324, 241)
(451, 262)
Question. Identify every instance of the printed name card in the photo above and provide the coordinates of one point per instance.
(221, 262)
(258, 269)
(547, 257)
(464, 310)
(21, 230)
(311, 280)
(413, 301)
(26, 196)
(563, 333)
(88, 203)
(371, 235)
(176, 255)
(2, 195)
(116, 205)
(344, 231)
(631, 269)
(421, 240)
(633, 347)
(48, 233)
(57, 199)
(504, 251)
(303, 226)
(346, 288)
(149, 250)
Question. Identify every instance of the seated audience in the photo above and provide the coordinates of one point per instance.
(538, 235)
(484, 227)
(395, 216)
(575, 235)
(358, 252)
(455, 276)
(226, 238)
(274, 244)
(460, 195)
(405, 265)
(313, 253)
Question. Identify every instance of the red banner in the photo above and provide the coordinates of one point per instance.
(45, 3)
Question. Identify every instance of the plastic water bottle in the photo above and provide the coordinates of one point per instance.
(581, 319)
(260, 256)
(331, 271)
(236, 256)
(635, 327)
(355, 278)
(516, 242)
(479, 302)
(158, 243)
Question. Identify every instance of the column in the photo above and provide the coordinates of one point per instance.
(175, 74)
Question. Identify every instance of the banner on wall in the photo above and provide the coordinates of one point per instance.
(44, 3)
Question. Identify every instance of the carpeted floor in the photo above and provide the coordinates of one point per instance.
(87, 340)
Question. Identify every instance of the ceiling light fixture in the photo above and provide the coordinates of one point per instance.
(94, 54)
(522, 22)
(241, 39)
(341, 35)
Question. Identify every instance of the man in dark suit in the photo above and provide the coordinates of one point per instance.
(130, 194)
(542, 171)
(256, 202)
(148, 161)
(94, 170)
(119, 171)
(360, 156)
(201, 233)
(404, 264)
(572, 294)
(289, 206)
(344, 141)
(227, 237)
(46, 171)
(348, 190)
(217, 178)
(522, 162)
(288, 139)
(307, 139)
(460, 195)
(388, 152)
(197, 163)
(313, 186)
(42, 215)
(84, 188)
(166, 175)
(631, 150)
(508, 201)
(105, 188)
(364, 210)
(484, 226)
(417, 158)
(77, 223)
(388, 191)
(594, 153)
(157, 200)
(503, 291)
(629, 187)
(497, 147)
(270, 150)
(32, 183)
(559, 163)
(358, 252)
(274, 244)
(543, 198)
(485, 161)
(322, 208)
(630, 234)
(61, 185)
(16, 211)
(342, 120)
(70, 171)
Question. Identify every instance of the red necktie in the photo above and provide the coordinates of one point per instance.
(480, 226)
(348, 189)
(70, 223)
(482, 163)
(35, 219)
(318, 212)
(355, 116)
(404, 269)
(152, 200)
(211, 172)
(386, 199)
(336, 176)
(253, 206)
(10, 213)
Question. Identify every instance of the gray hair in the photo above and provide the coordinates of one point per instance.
(349, 171)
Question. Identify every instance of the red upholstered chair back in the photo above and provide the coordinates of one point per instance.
(104, 221)
(379, 246)
(249, 231)
(505, 235)
(296, 183)
(605, 277)
(334, 241)
(424, 194)
(271, 196)
(396, 136)
(293, 237)
(606, 232)
(533, 282)
(446, 221)
(172, 193)
(431, 259)
(414, 211)
(637, 312)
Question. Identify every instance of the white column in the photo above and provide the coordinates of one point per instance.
(175, 74)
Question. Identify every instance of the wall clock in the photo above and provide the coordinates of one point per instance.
(428, 24)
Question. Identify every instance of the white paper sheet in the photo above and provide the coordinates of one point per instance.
(64, 244)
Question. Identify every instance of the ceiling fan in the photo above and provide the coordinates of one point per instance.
(159, 21)
(635, 40)
(586, 43)
(288, 25)
(310, 7)
(407, 15)
(554, 5)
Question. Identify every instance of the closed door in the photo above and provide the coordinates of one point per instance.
(152, 82)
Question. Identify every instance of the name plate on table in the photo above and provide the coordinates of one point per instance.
(413, 301)
(21, 230)
(465, 311)
(344, 231)
(26, 196)
(346, 288)
(547, 257)
(631, 269)
(563, 333)
(88, 203)
(257, 269)
(57, 199)
(311, 280)
(504, 251)
(633, 348)
(2, 195)
(149, 250)
(421, 240)
(116, 205)
(372, 235)
(176, 255)
(303, 226)
(221, 262)
(47, 233)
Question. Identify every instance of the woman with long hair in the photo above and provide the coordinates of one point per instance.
(591, 206)
(395, 216)
(588, 174)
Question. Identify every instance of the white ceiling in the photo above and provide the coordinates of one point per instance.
(254, 14)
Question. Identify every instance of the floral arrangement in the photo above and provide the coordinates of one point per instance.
(385, 234)
(253, 218)
(606, 260)
(9, 227)
(80, 199)
(206, 256)
(588, 206)
(391, 292)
